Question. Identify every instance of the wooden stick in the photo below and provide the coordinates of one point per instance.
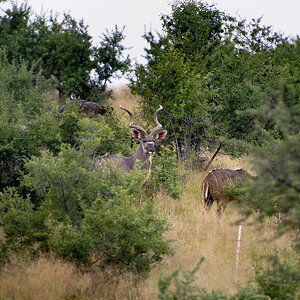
(238, 246)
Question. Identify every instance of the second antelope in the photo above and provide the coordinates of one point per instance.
(145, 150)
(214, 186)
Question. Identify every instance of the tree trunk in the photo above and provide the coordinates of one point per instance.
(184, 146)
(213, 157)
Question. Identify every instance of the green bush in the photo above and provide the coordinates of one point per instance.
(125, 235)
(173, 287)
(281, 279)
(83, 218)
(92, 215)
(24, 119)
(70, 243)
(24, 228)
(21, 85)
(165, 174)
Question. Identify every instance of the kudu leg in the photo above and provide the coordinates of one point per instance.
(221, 206)
(208, 202)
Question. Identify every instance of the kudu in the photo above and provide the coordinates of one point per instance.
(89, 108)
(144, 151)
(214, 187)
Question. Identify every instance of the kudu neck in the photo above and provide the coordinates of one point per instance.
(143, 158)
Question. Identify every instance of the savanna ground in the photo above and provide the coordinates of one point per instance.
(195, 235)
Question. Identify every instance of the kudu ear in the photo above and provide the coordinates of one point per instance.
(137, 135)
(161, 135)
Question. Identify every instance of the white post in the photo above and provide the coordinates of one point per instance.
(238, 246)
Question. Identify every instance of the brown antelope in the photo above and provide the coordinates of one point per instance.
(90, 109)
(214, 187)
(144, 151)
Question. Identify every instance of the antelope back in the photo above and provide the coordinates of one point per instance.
(124, 164)
(216, 179)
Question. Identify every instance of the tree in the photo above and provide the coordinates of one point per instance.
(229, 57)
(109, 61)
(277, 162)
(245, 59)
(172, 82)
(174, 75)
(63, 50)
(194, 28)
(67, 57)
(17, 36)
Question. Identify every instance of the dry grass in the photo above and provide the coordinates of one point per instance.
(198, 234)
(122, 96)
(44, 278)
(195, 235)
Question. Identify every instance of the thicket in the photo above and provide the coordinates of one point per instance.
(52, 198)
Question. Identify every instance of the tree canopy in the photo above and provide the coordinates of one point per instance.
(231, 59)
(62, 48)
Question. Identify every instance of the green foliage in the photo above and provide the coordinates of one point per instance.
(25, 120)
(23, 227)
(194, 27)
(207, 71)
(281, 279)
(276, 189)
(109, 59)
(234, 192)
(63, 180)
(173, 83)
(66, 50)
(125, 235)
(16, 36)
(62, 50)
(182, 288)
(70, 243)
(93, 216)
(16, 87)
(105, 134)
(165, 174)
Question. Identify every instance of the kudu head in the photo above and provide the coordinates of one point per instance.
(148, 142)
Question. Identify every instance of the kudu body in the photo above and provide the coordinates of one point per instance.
(89, 108)
(145, 150)
(214, 187)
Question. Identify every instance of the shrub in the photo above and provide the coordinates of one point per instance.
(281, 279)
(166, 174)
(24, 228)
(92, 215)
(125, 235)
(22, 129)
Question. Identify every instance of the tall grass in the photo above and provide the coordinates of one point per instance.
(122, 96)
(194, 233)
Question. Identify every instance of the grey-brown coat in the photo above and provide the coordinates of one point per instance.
(145, 151)
(214, 186)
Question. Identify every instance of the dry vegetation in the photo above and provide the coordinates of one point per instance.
(122, 96)
(195, 235)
